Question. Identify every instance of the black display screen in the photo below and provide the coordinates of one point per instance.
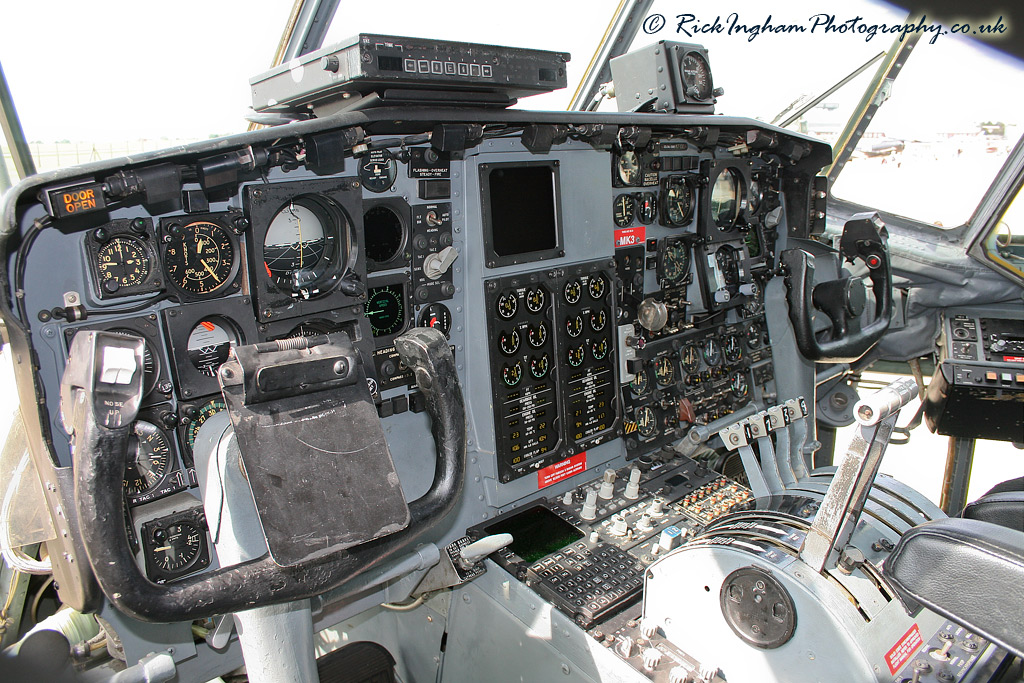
(536, 533)
(521, 211)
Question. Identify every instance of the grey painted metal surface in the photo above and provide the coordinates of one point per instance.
(277, 641)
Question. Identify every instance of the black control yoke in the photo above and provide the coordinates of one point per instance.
(864, 237)
(100, 396)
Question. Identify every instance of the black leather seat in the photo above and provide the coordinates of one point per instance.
(1005, 509)
(969, 571)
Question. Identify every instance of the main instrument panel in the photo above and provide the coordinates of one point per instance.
(601, 280)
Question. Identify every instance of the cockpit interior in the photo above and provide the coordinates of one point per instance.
(410, 383)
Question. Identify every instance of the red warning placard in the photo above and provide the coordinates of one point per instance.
(630, 237)
(902, 651)
(561, 470)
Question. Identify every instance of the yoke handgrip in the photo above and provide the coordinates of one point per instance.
(864, 237)
(100, 456)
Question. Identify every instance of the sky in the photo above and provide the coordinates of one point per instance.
(135, 69)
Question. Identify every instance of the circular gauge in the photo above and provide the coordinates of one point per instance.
(628, 168)
(384, 234)
(664, 371)
(177, 546)
(640, 384)
(574, 326)
(512, 374)
(539, 366)
(599, 349)
(437, 316)
(377, 170)
(573, 291)
(646, 421)
(122, 262)
(678, 202)
(209, 344)
(711, 351)
(150, 364)
(535, 300)
(754, 333)
(696, 76)
(623, 210)
(508, 304)
(537, 335)
(648, 203)
(598, 319)
(738, 385)
(149, 457)
(754, 196)
(301, 245)
(733, 349)
(202, 414)
(508, 342)
(310, 328)
(575, 356)
(200, 257)
(753, 243)
(597, 287)
(691, 358)
(675, 261)
(385, 309)
(725, 198)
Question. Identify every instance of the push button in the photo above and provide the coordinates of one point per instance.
(991, 376)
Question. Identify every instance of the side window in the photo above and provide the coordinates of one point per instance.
(1003, 244)
(932, 150)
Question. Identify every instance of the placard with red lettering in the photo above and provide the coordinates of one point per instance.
(552, 474)
(630, 237)
(902, 651)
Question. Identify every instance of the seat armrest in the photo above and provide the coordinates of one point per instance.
(1005, 509)
(969, 571)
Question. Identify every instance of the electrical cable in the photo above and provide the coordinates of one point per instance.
(14, 556)
(407, 607)
(34, 612)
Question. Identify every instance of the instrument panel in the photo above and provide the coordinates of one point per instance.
(601, 294)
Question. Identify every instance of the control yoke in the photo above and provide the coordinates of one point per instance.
(100, 396)
(842, 300)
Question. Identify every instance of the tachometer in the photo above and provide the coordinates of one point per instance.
(508, 304)
(200, 257)
(537, 335)
(573, 291)
(574, 325)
